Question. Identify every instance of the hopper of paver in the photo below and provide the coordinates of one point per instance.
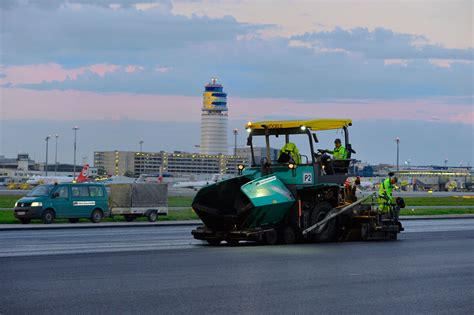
(222, 206)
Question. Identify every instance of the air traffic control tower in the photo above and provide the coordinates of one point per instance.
(214, 120)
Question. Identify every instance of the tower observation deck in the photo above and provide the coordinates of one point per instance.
(214, 119)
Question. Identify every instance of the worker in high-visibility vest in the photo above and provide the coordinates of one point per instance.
(339, 152)
(289, 153)
(385, 198)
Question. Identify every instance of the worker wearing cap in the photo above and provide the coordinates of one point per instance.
(289, 152)
(339, 152)
(385, 193)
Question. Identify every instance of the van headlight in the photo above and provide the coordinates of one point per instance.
(36, 204)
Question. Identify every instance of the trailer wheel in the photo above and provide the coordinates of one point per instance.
(214, 242)
(270, 237)
(328, 232)
(152, 216)
(288, 235)
(128, 218)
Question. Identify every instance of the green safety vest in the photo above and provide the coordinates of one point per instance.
(292, 150)
(385, 191)
(339, 153)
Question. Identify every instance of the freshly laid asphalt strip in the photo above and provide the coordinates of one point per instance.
(429, 270)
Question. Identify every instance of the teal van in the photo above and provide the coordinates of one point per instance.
(64, 201)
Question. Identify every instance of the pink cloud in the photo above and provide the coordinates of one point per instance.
(463, 118)
(132, 68)
(114, 106)
(163, 69)
(446, 63)
(35, 74)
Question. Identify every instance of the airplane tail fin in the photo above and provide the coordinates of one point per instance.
(82, 177)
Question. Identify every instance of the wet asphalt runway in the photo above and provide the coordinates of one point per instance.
(163, 270)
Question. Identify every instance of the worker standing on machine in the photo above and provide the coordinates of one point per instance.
(386, 200)
(289, 153)
(339, 152)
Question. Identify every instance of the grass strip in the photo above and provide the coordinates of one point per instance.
(428, 211)
(6, 217)
(438, 201)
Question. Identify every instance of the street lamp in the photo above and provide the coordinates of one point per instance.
(397, 140)
(75, 128)
(141, 156)
(236, 132)
(56, 155)
(46, 166)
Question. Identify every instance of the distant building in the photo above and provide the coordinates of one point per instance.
(214, 120)
(176, 163)
(21, 162)
(22, 167)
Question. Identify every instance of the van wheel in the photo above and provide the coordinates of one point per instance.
(96, 216)
(48, 217)
(25, 221)
(152, 216)
(73, 220)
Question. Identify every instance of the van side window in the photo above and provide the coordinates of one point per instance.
(96, 191)
(80, 191)
(63, 192)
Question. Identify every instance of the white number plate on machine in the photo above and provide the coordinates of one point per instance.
(307, 178)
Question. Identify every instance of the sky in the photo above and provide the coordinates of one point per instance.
(128, 70)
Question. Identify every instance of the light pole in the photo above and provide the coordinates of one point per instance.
(56, 156)
(46, 166)
(446, 162)
(141, 156)
(398, 152)
(236, 132)
(75, 128)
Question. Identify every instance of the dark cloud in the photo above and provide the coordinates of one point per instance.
(346, 64)
(381, 44)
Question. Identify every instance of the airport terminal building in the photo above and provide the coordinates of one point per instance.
(176, 163)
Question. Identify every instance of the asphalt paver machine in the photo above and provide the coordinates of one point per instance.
(306, 198)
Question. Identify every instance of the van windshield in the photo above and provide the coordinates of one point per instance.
(40, 191)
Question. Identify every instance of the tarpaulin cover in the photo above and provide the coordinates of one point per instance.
(138, 195)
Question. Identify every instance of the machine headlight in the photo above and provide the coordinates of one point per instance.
(36, 204)
(240, 167)
(291, 166)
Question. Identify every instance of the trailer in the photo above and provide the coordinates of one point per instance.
(139, 200)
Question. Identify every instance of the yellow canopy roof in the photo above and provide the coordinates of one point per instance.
(315, 124)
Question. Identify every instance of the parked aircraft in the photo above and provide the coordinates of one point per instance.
(199, 184)
(37, 180)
